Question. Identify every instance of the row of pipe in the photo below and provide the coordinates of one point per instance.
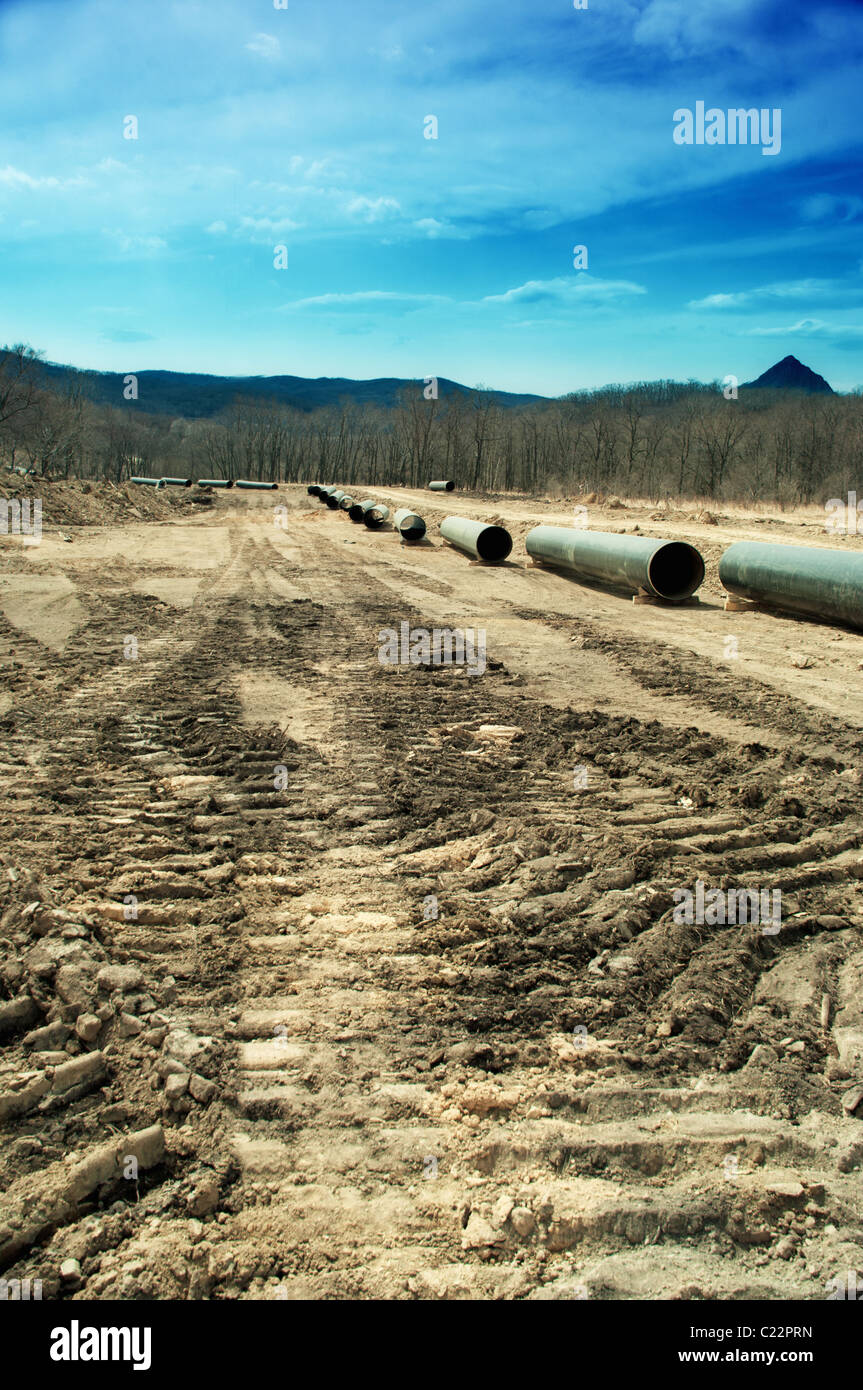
(818, 581)
(206, 482)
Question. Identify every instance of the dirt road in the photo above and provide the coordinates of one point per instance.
(328, 978)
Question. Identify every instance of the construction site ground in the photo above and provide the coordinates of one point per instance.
(328, 978)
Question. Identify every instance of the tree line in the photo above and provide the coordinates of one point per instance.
(649, 439)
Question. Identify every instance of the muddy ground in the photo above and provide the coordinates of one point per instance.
(326, 978)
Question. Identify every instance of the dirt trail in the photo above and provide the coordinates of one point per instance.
(381, 961)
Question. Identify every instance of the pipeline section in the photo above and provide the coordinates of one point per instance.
(442, 486)
(375, 515)
(664, 569)
(823, 582)
(410, 527)
(257, 487)
(489, 543)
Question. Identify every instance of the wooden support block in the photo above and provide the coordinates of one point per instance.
(733, 604)
(692, 602)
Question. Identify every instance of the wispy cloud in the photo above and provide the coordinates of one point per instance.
(582, 288)
(265, 46)
(841, 335)
(782, 290)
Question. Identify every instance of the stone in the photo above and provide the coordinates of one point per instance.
(70, 1272)
(479, 1234)
(851, 1099)
(204, 1198)
(53, 1035)
(128, 1026)
(124, 978)
(176, 1085)
(186, 1048)
(202, 1089)
(523, 1221)
(88, 1027)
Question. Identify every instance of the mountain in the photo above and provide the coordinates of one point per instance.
(197, 396)
(791, 375)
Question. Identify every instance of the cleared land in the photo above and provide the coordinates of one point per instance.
(550, 1089)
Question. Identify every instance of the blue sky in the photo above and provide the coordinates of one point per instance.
(407, 256)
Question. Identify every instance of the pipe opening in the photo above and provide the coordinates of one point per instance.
(676, 570)
(356, 512)
(412, 532)
(493, 543)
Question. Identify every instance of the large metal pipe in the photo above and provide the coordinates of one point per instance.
(215, 482)
(476, 538)
(664, 569)
(257, 487)
(410, 527)
(148, 482)
(375, 515)
(176, 482)
(358, 511)
(345, 503)
(313, 489)
(801, 578)
(333, 498)
(448, 486)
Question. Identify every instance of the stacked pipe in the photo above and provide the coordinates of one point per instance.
(662, 569)
(488, 543)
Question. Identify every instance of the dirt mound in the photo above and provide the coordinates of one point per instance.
(76, 502)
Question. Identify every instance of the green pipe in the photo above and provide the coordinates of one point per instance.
(345, 503)
(375, 515)
(358, 511)
(176, 482)
(804, 579)
(258, 487)
(313, 489)
(150, 482)
(334, 497)
(664, 569)
(447, 486)
(489, 543)
(410, 527)
(215, 482)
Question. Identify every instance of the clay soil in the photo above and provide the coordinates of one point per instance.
(323, 978)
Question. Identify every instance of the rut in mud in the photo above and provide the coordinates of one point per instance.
(387, 999)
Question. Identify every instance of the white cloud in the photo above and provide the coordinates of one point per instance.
(373, 209)
(263, 228)
(136, 244)
(10, 177)
(366, 297)
(783, 289)
(265, 46)
(583, 287)
(841, 335)
(215, 228)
